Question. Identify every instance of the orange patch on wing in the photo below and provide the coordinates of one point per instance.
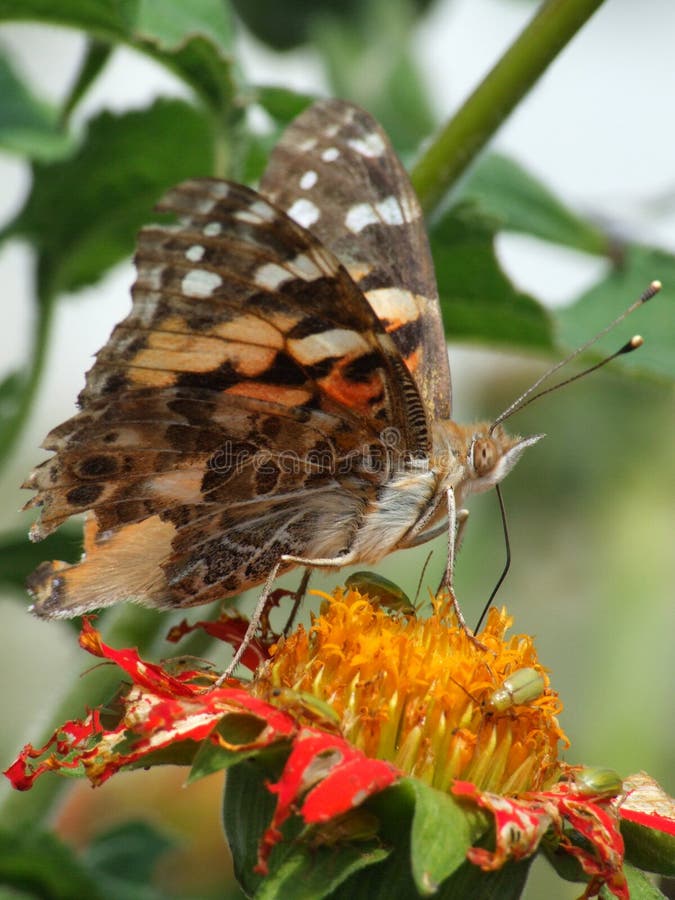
(272, 393)
(413, 360)
(250, 329)
(196, 354)
(182, 486)
(122, 566)
(151, 378)
(357, 395)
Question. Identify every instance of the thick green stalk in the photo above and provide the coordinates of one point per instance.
(460, 141)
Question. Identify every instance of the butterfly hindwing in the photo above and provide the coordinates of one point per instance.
(335, 171)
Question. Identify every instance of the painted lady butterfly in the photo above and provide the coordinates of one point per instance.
(278, 395)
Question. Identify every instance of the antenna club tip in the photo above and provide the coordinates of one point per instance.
(633, 344)
(651, 291)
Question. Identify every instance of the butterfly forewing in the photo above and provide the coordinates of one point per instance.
(229, 420)
(335, 171)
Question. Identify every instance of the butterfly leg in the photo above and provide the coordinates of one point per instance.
(298, 597)
(331, 562)
(456, 523)
(261, 605)
(462, 519)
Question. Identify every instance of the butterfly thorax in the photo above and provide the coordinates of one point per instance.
(411, 505)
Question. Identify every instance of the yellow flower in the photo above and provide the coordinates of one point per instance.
(420, 694)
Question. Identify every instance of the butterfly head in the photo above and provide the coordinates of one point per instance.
(491, 454)
(485, 454)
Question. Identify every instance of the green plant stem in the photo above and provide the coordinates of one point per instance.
(12, 430)
(460, 141)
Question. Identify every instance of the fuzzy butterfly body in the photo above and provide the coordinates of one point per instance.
(279, 393)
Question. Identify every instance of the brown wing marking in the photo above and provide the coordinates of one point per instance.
(335, 171)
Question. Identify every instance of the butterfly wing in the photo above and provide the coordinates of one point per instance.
(228, 419)
(335, 171)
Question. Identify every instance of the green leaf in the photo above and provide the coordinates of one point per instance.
(282, 104)
(36, 862)
(19, 556)
(248, 808)
(442, 832)
(124, 859)
(370, 61)
(656, 322)
(28, 126)
(506, 883)
(235, 728)
(639, 886)
(648, 848)
(478, 300)
(82, 215)
(503, 190)
(102, 16)
(11, 389)
(95, 58)
(294, 25)
(194, 40)
(310, 873)
(168, 23)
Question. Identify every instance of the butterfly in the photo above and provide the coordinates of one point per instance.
(279, 394)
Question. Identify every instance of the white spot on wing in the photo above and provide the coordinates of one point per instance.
(324, 344)
(151, 277)
(304, 212)
(395, 305)
(219, 189)
(305, 268)
(195, 252)
(308, 180)
(307, 145)
(200, 283)
(271, 275)
(371, 145)
(388, 211)
(259, 211)
(211, 229)
(330, 154)
(359, 216)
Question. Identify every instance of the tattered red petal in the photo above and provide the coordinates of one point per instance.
(148, 675)
(646, 803)
(70, 742)
(348, 785)
(521, 823)
(519, 828)
(344, 778)
(230, 628)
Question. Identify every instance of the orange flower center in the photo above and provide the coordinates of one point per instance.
(419, 693)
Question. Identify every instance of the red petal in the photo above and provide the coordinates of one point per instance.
(230, 628)
(521, 822)
(348, 785)
(518, 827)
(148, 675)
(648, 804)
(344, 776)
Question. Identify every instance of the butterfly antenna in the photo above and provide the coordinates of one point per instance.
(507, 564)
(529, 396)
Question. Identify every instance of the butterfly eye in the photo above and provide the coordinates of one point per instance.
(483, 455)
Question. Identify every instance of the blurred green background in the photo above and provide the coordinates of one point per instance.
(591, 508)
